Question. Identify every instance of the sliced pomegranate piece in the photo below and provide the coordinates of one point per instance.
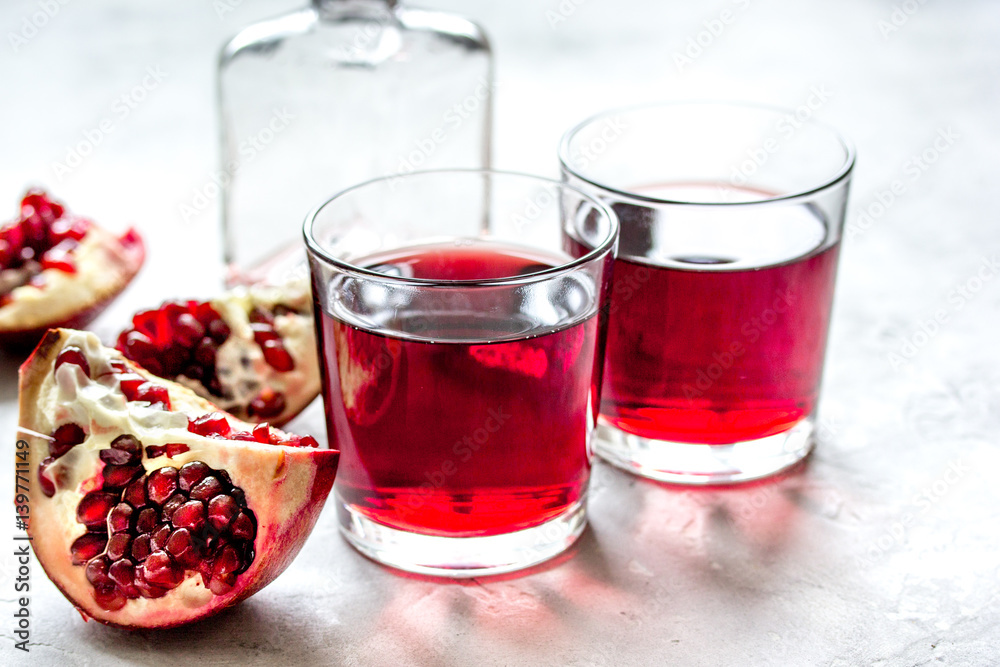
(251, 351)
(178, 512)
(58, 270)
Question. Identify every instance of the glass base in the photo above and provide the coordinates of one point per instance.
(461, 557)
(699, 464)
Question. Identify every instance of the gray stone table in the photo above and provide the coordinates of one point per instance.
(883, 550)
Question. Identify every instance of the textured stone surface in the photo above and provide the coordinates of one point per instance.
(882, 550)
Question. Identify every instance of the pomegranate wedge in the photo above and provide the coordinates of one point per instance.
(150, 507)
(251, 351)
(58, 270)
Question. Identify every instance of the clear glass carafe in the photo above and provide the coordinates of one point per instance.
(333, 95)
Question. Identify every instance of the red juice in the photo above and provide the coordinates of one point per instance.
(457, 424)
(714, 344)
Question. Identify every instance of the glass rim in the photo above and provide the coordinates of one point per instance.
(840, 175)
(315, 249)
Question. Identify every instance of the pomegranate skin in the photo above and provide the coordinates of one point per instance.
(284, 486)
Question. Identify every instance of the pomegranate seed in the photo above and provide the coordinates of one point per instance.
(65, 438)
(206, 489)
(120, 519)
(118, 477)
(263, 332)
(221, 511)
(219, 330)
(262, 433)
(277, 357)
(161, 484)
(205, 353)
(93, 510)
(141, 548)
(73, 355)
(242, 527)
(130, 383)
(135, 494)
(214, 423)
(109, 597)
(171, 505)
(125, 450)
(242, 436)
(222, 584)
(190, 515)
(122, 572)
(87, 546)
(60, 257)
(153, 393)
(160, 570)
(158, 540)
(137, 346)
(192, 473)
(308, 441)
(97, 571)
(148, 520)
(188, 330)
(119, 545)
(268, 404)
(146, 589)
(181, 546)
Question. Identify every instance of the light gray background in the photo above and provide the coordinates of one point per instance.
(816, 568)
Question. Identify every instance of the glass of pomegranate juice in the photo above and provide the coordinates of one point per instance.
(461, 331)
(731, 219)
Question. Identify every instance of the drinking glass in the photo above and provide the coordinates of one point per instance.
(731, 218)
(460, 323)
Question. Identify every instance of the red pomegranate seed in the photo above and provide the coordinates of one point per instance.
(135, 494)
(153, 393)
(171, 449)
(214, 423)
(161, 484)
(171, 505)
(109, 597)
(192, 473)
(160, 570)
(65, 438)
(242, 436)
(73, 355)
(158, 540)
(60, 256)
(97, 571)
(188, 330)
(190, 515)
(47, 485)
(130, 383)
(146, 589)
(125, 449)
(242, 527)
(182, 548)
(268, 404)
(119, 545)
(277, 357)
(87, 546)
(262, 433)
(137, 346)
(120, 518)
(118, 477)
(141, 548)
(122, 573)
(219, 330)
(207, 489)
(147, 521)
(94, 508)
(221, 511)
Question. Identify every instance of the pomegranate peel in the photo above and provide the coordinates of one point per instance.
(146, 523)
(59, 270)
